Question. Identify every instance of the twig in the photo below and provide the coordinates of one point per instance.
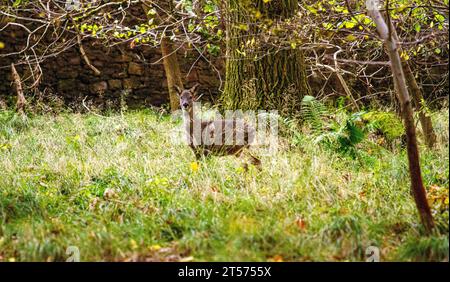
(85, 57)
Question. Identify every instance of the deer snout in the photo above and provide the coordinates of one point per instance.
(185, 105)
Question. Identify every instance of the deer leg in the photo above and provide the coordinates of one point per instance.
(239, 154)
(250, 160)
(198, 154)
(254, 160)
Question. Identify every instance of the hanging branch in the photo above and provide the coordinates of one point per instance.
(388, 35)
(86, 58)
(342, 80)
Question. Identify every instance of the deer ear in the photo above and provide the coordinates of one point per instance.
(193, 90)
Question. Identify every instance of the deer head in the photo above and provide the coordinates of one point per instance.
(187, 97)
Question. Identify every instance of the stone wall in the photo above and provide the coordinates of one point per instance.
(135, 76)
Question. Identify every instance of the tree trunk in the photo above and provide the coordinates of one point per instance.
(262, 76)
(170, 60)
(21, 101)
(173, 74)
(392, 46)
(425, 120)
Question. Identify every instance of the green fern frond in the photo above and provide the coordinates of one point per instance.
(313, 112)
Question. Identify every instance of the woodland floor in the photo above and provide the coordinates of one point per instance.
(118, 189)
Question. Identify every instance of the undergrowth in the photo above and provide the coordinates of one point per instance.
(117, 188)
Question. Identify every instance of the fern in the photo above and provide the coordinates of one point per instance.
(344, 137)
(340, 136)
(352, 133)
(290, 127)
(313, 113)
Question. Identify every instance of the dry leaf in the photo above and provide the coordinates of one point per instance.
(276, 258)
(301, 224)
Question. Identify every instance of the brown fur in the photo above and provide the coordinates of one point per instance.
(224, 130)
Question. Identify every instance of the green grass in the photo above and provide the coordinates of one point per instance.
(118, 189)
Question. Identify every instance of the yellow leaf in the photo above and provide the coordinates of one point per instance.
(350, 37)
(151, 12)
(311, 9)
(133, 244)
(155, 248)
(349, 25)
(327, 26)
(2, 45)
(404, 56)
(401, 8)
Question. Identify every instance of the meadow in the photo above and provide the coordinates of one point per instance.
(116, 187)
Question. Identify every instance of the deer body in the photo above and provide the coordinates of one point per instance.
(219, 137)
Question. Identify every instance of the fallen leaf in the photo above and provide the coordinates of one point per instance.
(301, 224)
(276, 258)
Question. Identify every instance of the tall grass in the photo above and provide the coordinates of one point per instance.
(118, 188)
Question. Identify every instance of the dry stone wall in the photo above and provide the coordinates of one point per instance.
(134, 76)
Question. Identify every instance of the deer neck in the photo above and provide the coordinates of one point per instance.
(188, 118)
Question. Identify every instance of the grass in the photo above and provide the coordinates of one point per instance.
(118, 189)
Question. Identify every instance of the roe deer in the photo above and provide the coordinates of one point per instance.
(218, 137)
